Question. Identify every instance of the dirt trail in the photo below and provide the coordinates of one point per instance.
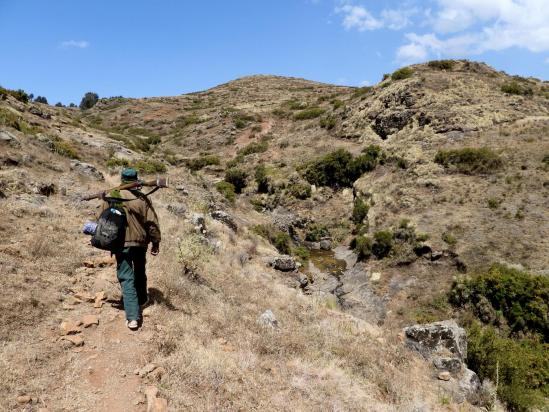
(101, 374)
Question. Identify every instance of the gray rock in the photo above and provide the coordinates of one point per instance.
(178, 210)
(87, 169)
(268, 319)
(224, 218)
(312, 245)
(469, 386)
(326, 244)
(387, 124)
(284, 263)
(438, 337)
(181, 189)
(8, 138)
(453, 365)
(199, 223)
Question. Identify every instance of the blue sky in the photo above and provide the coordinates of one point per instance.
(61, 49)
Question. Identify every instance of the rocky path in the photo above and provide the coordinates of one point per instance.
(105, 365)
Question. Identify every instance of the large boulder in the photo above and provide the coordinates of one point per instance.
(8, 138)
(438, 338)
(284, 263)
(87, 169)
(224, 218)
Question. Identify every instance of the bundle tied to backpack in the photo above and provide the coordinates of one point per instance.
(110, 232)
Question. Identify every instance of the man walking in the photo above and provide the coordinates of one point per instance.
(142, 228)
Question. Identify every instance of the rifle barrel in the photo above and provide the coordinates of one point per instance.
(160, 182)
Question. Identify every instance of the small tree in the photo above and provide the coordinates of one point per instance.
(262, 179)
(89, 100)
(72, 105)
(59, 104)
(237, 177)
(41, 99)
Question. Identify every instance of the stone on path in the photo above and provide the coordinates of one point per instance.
(148, 368)
(23, 399)
(268, 319)
(75, 340)
(444, 376)
(69, 327)
(89, 320)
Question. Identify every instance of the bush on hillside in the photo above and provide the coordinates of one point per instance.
(279, 239)
(383, 244)
(360, 211)
(315, 232)
(340, 169)
(149, 166)
(469, 160)
(19, 94)
(299, 190)
(520, 365)
(89, 100)
(441, 64)
(521, 298)
(202, 161)
(262, 179)
(362, 245)
(328, 122)
(64, 148)
(41, 99)
(310, 113)
(237, 178)
(227, 190)
(514, 87)
(402, 73)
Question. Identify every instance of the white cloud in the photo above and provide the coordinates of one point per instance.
(469, 27)
(357, 17)
(364, 83)
(361, 19)
(80, 44)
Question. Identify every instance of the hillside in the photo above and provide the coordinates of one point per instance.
(450, 160)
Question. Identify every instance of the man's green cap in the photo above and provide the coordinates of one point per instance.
(129, 175)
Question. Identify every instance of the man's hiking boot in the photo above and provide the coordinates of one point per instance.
(132, 324)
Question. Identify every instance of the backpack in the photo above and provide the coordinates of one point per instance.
(110, 233)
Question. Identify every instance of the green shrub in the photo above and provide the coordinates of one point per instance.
(402, 73)
(310, 113)
(520, 365)
(237, 178)
(202, 161)
(514, 87)
(315, 232)
(241, 120)
(493, 203)
(184, 121)
(449, 238)
(340, 169)
(262, 179)
(336, 104)
(362, 245)
(114, 162)
(361, 91)
(328, 122)
(383, 244)
(469, 160)
(41, 99)
(360, 211)
(521, 298)
(295, 105)
(302, 253)
(227, 190)
(149, 166)
(299, 190)
(11, 119)
(89, 100)
(65, 148)
(279, 239)
(254, 147)
(19, 94)
(441, 64)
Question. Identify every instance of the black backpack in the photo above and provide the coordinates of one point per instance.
(110, 233)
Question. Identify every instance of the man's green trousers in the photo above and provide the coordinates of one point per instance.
(130, 270)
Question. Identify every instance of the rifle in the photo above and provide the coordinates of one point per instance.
(160, 182)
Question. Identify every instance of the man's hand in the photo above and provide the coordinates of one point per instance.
(155, 250)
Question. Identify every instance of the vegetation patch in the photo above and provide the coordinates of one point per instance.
(514, 87)
(328, 122)
(10, 119)
(19, 94)
(360, 211)
(202, 161)
(279, 239)
(361, 91)
(311, 113)
(402, 74)
(227, 190)
(299, 190)
(340, 169)
(315, 232)
(237, 178)
(149, 166)
(469, 160)
(261, 178)
(441, 64)
(509, 337)
(65, 148)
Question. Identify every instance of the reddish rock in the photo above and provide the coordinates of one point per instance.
(23, 399)
(69, 327)
(90, 320)
(75, 340)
